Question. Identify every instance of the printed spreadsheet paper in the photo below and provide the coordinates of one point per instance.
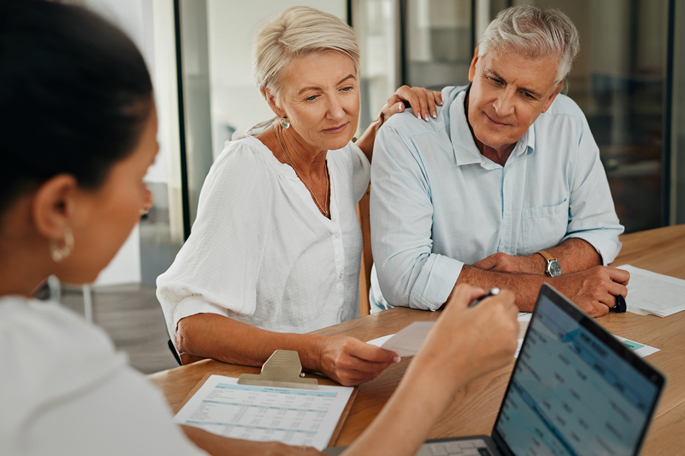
(288, 415)
(652, 293)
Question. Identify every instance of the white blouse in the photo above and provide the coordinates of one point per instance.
(261, 252)
(65, 391)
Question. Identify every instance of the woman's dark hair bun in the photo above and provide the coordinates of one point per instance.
(74, 95)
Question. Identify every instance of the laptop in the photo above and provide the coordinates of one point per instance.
(575, 390)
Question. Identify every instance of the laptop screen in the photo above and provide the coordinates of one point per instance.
(574, 391)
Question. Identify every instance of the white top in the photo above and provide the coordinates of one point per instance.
(64, 390)
(261, 252)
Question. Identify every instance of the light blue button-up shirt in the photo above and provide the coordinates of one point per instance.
(437, 203)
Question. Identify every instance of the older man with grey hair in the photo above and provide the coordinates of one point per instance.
(504, 188)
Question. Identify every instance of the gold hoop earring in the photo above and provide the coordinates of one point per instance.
(285, 123)
(60, 253)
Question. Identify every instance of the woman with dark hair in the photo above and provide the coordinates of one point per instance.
(78, 133)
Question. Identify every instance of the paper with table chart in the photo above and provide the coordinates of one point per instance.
(288, 415)
(408, 341)
(652, 293)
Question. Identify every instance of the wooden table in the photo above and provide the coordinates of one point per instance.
(474, 409)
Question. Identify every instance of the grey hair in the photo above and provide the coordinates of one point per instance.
(297, 32)
(533, 33)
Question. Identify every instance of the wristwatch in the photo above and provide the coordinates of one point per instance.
(553, 268)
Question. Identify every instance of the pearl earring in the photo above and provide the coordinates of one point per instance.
(60, 253)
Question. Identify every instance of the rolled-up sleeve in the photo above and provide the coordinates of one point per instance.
(409, 274)
(216, 270)
(592, 216)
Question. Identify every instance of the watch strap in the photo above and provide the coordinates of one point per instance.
(546, 255)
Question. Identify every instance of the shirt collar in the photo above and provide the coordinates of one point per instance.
(527, 142)
(465, 150)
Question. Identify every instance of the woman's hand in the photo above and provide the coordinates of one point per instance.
(423, 103)
(465, 343)
(350, 361)
(468, 342)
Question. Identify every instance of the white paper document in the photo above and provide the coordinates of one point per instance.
(639, 349)
(654, 293)
(288, 415)
(409, 340)
(524, 320)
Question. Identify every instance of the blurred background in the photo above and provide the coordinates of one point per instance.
(629, 80)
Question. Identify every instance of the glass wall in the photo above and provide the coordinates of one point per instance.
(678, 113)
(437, 42)
(376, 24)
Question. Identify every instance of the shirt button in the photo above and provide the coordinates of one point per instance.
(341, 276)
(337, 235)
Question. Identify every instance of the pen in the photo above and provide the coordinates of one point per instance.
(494, 291)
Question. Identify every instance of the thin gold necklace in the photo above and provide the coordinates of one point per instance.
(316, 200)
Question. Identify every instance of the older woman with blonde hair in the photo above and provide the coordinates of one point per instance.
(275, 250)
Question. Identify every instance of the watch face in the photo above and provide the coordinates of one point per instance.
(554, 269)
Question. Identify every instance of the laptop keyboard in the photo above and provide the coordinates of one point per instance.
(475, 447)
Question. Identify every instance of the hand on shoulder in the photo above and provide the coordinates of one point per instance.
(423, 102)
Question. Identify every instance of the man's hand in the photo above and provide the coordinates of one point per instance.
(594, 290)
(350, 361)
(501, 262)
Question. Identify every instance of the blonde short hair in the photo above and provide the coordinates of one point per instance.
(533, 33)
(297, 32)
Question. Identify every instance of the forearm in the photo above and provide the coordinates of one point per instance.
(574, 255)
(366, 141)
(224, 339)
(524, 286)
(411, 412)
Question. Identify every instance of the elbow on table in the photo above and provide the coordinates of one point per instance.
(186, 335)
(395, 290)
